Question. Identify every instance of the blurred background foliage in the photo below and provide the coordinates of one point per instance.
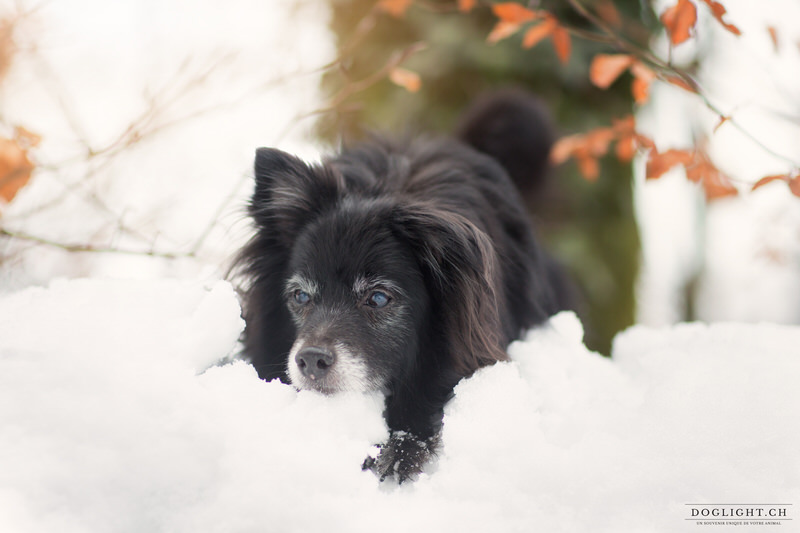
(588, 226)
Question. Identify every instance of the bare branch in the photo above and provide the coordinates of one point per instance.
(89, 248)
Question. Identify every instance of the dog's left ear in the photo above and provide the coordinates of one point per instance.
(460, 260)
(289, 193)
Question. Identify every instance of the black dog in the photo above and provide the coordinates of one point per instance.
(399, 267)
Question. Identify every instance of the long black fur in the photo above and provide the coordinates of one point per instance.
(443, 223)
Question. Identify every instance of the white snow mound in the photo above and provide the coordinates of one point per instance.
(113, 418)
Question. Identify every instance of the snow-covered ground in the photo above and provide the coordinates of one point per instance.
(116, 417)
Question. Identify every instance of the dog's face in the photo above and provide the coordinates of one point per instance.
(358, 301)
(369, 277)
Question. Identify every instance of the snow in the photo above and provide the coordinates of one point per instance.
(121, 411)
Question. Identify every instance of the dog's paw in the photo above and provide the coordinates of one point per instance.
(402, 457)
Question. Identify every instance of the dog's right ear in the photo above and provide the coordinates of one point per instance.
(289, 193)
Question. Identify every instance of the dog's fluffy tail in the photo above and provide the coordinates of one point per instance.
(515, 128)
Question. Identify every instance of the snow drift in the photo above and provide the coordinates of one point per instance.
(115, 416)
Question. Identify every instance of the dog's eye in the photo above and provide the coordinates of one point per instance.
(301, 297)
(378, 299)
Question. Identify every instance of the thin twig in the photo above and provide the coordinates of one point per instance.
(89, 248)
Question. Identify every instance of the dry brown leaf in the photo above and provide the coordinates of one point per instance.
(564, 148)
(642, 78)
(626, 148)
(678, 20)
(501, 31)
(607, 11)
(773, 35)
(396, 8)
(465, 6)
(514, 13)
(15, 168)
(588, 167)
(562, 43)
(645, 141)
(624, 126)
(640, 88)
(7, 46)
(587, 148)
(606, 68)
(598, 140)
(659, 163)
(406, 79)
(794, 185)
(768, 179)
(718, 10)
(715, 183)
(537, 33)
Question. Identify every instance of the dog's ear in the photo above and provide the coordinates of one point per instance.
(289, 193)
(460, 261)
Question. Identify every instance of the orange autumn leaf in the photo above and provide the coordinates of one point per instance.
(15, 168)
(773, 36)
(406, 79)
(501, 31)
(718, 186)
(624, 126)
(718, 10)
(678, 20)
(592, 143)
(396, 8)
(562, 43)
(514, 13)
(465, 6)
(640, 88)
(626, 148)
(588, 167)
(587, 148)
(768, 179)
(627, 138)
(597, 141)
(659, 163)
(537, 33)
(606, 68)
(607, 11)
(564, 148)
(642, 78)
(794, 185)
(715, 183)
(644, 141)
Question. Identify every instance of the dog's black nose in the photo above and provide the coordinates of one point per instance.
(314, 362)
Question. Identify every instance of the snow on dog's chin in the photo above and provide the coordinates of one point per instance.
(349, 373)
